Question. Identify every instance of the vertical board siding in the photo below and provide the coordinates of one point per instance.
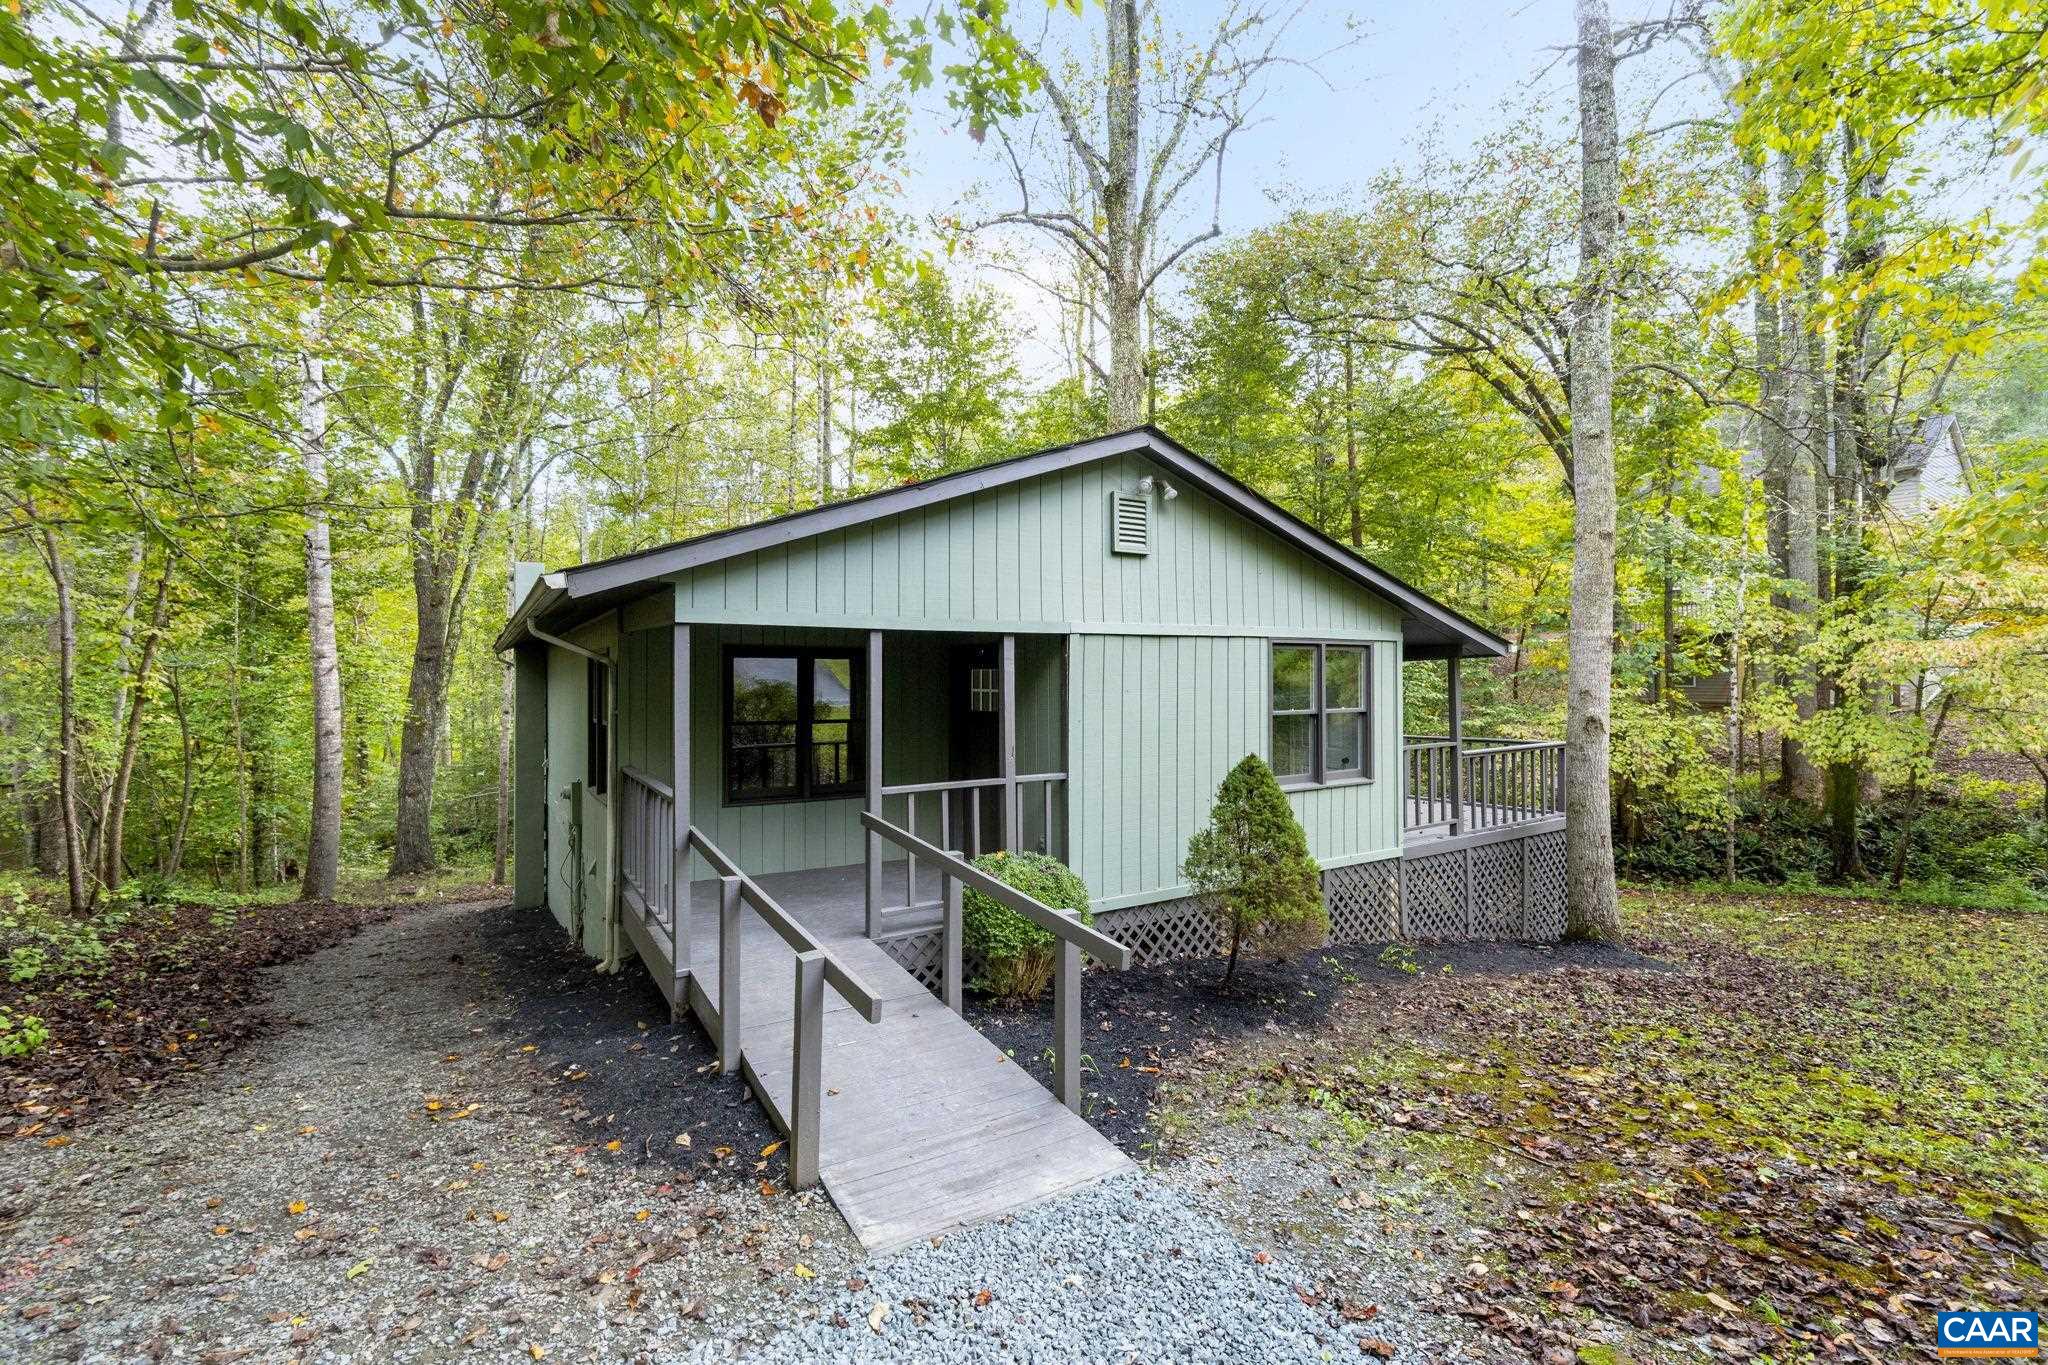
(568, 740)
(1036, 556)
(1155, 722)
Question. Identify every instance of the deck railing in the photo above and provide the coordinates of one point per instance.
(959, 814)
(1072, 939)
(647, 868)
(816, 968)
(1483, 783)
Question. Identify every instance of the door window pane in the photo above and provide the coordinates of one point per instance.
(1294, 678)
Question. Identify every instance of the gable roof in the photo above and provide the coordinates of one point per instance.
(1430, 629)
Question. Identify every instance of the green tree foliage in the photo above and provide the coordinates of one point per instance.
(936, 381)
(1016, 956)
(1251, 865)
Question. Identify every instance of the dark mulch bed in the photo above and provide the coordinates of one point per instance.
(175, 994)
(619, 1068)
(1139, 1025)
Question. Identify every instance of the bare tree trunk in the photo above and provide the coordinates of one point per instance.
(114, 828)
(241, 749)
(1806, 417)
(1351, 451)
(131, 597)
(323, 818)
(1122, 231)
(174, 858)
(75, 881)
(1594, 911)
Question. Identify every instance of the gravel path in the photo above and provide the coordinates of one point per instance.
(464, 1139)
(1127, 1270)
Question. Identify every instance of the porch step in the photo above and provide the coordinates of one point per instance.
(924, 1124)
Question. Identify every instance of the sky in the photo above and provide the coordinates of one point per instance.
(1385, 74)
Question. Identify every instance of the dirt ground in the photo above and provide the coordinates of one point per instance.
(1792, 1128)
(462, 1139)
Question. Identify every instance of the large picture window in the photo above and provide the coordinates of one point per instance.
(792, 724)
(1322, 724)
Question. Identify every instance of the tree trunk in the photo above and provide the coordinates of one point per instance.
(1806, 417)
(66, 630)
(1121, 230)
(174, 858)
(1589, 830)
(114, 830)
(1351, 451)
(323, 818)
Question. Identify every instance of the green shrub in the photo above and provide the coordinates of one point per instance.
(1016, 956)
(21, 1034)
(1251, 865)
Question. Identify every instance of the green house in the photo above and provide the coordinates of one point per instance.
(1062, 652)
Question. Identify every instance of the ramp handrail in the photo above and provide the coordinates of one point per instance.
(1073, 938)
(816, 968)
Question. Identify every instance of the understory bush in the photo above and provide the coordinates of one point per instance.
(1962, 839)
(1016, 956)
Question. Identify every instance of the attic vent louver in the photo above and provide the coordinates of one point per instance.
(1130, 524)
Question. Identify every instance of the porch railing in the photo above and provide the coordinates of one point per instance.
(1483, 783)
(1072, 936)
(975, 816)
(816, 968)
(647, 869)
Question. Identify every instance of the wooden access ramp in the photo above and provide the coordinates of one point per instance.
(923, 1125)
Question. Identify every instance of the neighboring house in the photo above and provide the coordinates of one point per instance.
(1065, 652)
(1930, 470)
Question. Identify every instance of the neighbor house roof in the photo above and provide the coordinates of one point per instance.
(565, 597)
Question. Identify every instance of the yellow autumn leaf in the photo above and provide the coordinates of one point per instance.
(771, 1149)
(612, 1146)
(803, 1272)
(296, 1207)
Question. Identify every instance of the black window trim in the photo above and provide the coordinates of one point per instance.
(597, 728)
(1320, 711)
(856, 725)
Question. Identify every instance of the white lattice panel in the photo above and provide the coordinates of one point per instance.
(1164, 931)
(1545, 919)
(1497, 890)
(1364, 901)
(1436, 898)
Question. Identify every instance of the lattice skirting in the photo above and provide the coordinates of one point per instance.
(1511, 889)
(1164, 930)
(921, 955)
(1364, 901)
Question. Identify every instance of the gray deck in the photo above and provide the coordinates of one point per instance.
(1428, 823)
(924, 1124)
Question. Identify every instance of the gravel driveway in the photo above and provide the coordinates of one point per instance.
(460, 1142)
(463, 1137)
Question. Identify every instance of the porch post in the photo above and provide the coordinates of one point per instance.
(874, 782)
(679, 810)
(1013, 812)
(1457, 697)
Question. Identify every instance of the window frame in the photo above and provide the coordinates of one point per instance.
(805, 658)
(597, 728)
(1319, 712)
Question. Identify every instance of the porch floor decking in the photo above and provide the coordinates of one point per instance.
(924, 1125)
